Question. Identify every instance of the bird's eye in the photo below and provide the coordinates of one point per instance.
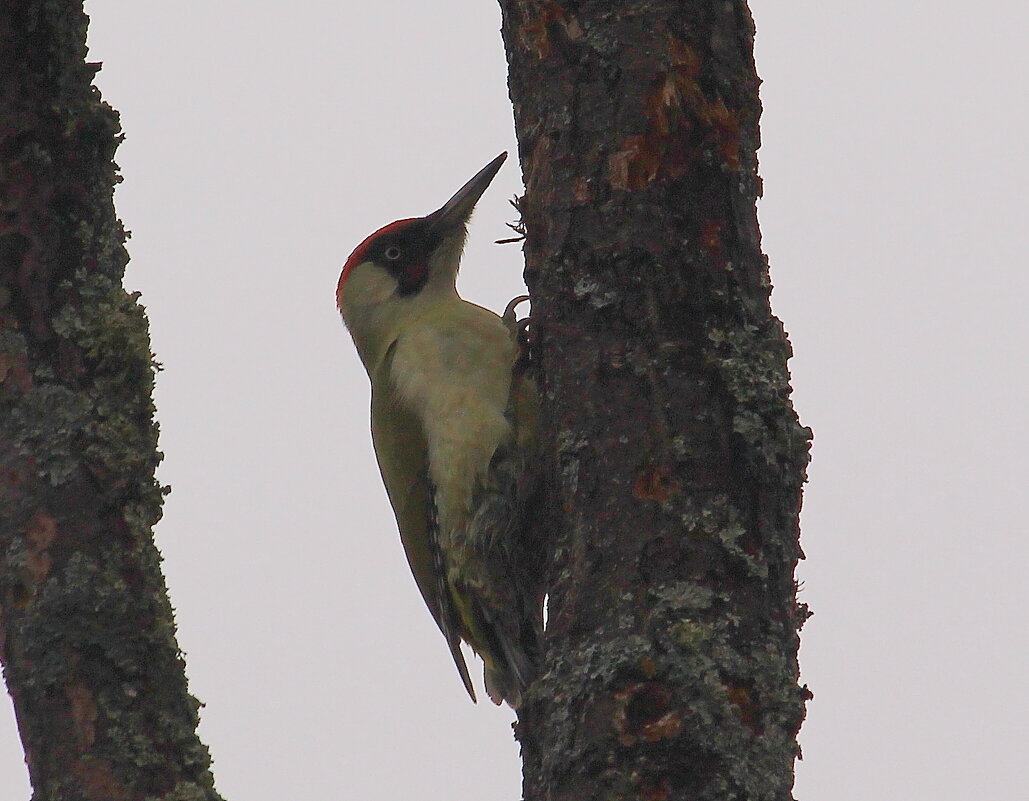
(392, 253)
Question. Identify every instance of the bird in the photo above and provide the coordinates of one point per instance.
(455, 428)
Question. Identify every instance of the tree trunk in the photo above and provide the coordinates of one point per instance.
(671, 648)
(87, 637)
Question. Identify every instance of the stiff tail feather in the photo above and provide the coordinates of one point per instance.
(508, 670)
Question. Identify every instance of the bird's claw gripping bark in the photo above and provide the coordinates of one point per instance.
(520, 331)
(510, 316)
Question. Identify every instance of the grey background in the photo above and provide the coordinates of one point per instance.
(264, 144)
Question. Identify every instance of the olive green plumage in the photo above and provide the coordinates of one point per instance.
(454, 424)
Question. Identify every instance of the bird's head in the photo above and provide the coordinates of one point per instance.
(409, 258)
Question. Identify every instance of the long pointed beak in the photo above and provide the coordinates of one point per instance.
(458, 209)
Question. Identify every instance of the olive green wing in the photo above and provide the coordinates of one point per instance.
(402, 455)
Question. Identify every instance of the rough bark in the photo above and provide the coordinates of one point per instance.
(671, 667)
(87, 637)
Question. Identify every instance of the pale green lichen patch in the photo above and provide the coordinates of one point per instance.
(681, 595)
(743, 704)
(110, 328)
(49, 423)
(751, 362)
(733, 707)
(184, 791)
(88, 610)
(716, 518)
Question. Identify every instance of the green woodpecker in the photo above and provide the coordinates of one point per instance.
(454, 422)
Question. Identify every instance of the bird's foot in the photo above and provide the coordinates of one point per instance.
(510, 316)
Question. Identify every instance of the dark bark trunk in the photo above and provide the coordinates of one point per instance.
(671, 666)
(87, 637)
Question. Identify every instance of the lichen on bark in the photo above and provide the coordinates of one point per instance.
(87, 635)
(671, 663)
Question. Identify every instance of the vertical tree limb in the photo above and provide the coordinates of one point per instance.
(87, 636)
(671, 670)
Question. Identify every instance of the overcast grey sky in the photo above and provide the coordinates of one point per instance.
(263, 145)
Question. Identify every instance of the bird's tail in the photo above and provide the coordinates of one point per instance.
(510, 659)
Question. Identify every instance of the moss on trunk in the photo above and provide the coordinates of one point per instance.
(671, 668)
(87, 636)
